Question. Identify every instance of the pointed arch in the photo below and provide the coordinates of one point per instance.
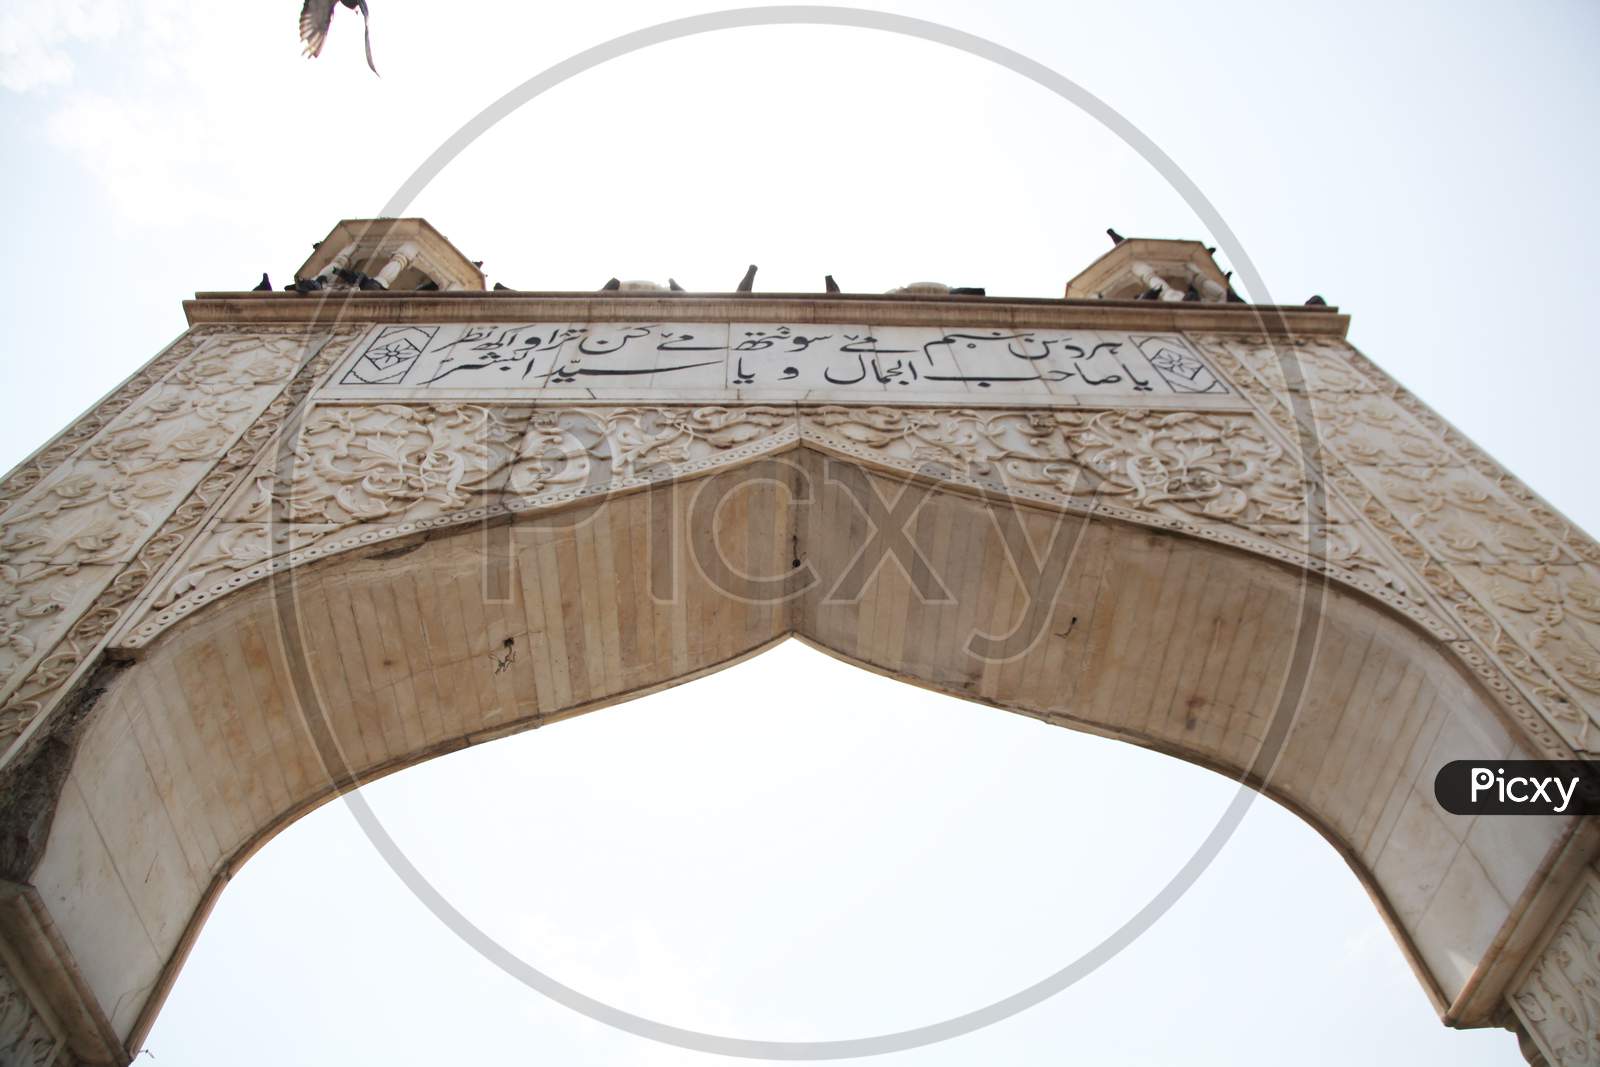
(242, 716)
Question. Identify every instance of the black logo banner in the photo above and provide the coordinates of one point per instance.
(1518, 787)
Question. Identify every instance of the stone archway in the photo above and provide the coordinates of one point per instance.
(268, 568)
(204, 748)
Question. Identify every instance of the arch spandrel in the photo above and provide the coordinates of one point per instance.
(1459, 619)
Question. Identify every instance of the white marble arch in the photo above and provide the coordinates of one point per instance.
(259, 706)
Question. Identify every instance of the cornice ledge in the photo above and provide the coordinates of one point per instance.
(867, 309)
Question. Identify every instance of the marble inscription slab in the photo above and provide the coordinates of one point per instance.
(762, 360)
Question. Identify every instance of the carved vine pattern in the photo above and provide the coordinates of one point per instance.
(1213, 474)
(26, 1039)
(1559, 1000)
(1181, 464)
(129, 459)
(36, 467)
(395, 468)
(1516, 576)
(63, 540)
(361, 473)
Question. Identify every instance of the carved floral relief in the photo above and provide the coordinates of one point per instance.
(1180, 464)
(1559, 1000)
(86, 535)
(362, 472)
(358, 472)
(1516, 575)
(1219, 475)
(26, 1040)
(61, 542)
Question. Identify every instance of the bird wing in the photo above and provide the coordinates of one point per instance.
(366, 25)
(315, 16)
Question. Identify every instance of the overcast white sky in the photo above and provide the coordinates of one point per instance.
(794, 849)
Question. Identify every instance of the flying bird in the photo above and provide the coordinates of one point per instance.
(317, 15)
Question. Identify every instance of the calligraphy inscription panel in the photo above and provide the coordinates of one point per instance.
(756, 361)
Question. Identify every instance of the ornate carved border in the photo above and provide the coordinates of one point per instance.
(1558, 998)
(168, 610)
(24, 711)
(27, 1037)
(25, 475)
(185, 589)
(1527, 693)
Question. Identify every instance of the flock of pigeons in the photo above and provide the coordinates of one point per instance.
(357, 280)
(350, 279)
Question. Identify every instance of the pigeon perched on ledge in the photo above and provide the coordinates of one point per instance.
(359, 280)
(317, 15)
